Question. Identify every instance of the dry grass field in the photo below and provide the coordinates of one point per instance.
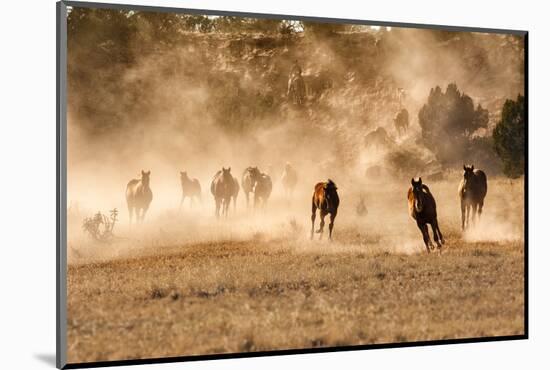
(186, 285)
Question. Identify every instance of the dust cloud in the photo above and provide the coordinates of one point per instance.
(213, 100)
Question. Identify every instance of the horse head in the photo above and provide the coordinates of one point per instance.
(145, 177)
(418, 192)
(183, 175)
(226, 174)
(330, 191)
(468, 175)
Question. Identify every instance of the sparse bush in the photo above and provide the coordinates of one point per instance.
(100, 227)
(509, 137)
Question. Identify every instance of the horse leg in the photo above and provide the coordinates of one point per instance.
(479, 209)
(143, 212)
(313, 212)
(182, 200)
(425, 235)
(474, 213)
(217, 208)
(441, 239)
(131, 213)
(468, 220)
(247, 200)
(322, 226)
(331, 225)
(436, 234)
(463, 210)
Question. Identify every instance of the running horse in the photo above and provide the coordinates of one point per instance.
(325, 199)
(262, 190)
(423, 209)
(289, 179)
(401, 121)
(223, 189)
(190, 188)
(472, 191)
(139, 196)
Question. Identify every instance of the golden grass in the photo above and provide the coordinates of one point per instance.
(269, 291)
(246, 296)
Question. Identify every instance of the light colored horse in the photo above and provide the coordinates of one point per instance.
(289, 179)
(248, 180)
(139, 196)
(190, 188)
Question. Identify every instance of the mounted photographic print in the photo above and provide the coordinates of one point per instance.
(235, 184)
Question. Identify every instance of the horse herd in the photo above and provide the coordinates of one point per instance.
(225, 188)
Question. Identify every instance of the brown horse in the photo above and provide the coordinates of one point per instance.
(190, 188)
(139, 196)
(289, 179)
(223, 189)
(262, 190)
(472, 191)
(401, 121)
(422, 208)
(248, 181)
(325, 199)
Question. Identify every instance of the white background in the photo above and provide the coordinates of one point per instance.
(27, 182)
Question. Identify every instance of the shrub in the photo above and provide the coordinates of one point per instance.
(509, 137)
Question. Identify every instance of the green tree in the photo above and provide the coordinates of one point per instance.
(509, 137)
(448, 121)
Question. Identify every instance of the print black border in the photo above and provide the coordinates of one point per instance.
(61, 190)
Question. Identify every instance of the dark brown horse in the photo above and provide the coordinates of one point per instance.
(190, 188)
(139, 196)
(423, 209)
(325, 199)
(472, 191)
(223, 189)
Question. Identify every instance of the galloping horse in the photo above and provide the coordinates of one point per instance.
(249, 178)
(262, 190)
(472, 191)
(325, 198)
(289, 180)
(139, 196)
(223, 189)
(423, 209)
(190, 188)
(401, 121)
(254, 181)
